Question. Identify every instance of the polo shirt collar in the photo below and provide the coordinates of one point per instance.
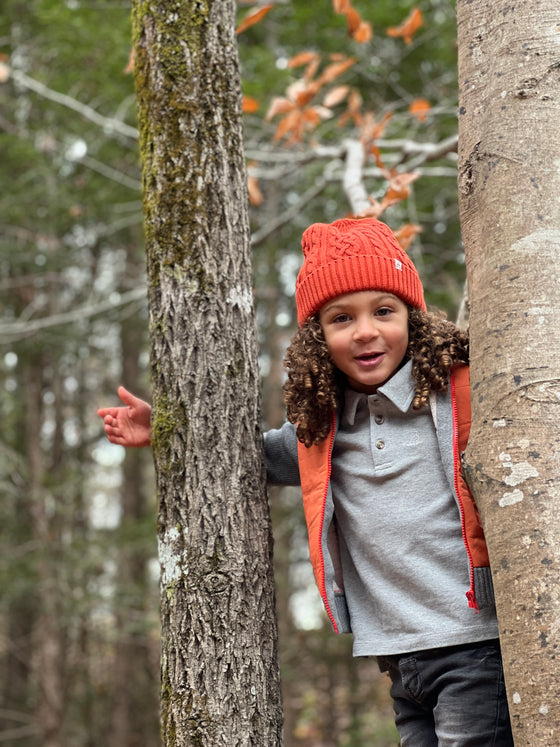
(399, 389)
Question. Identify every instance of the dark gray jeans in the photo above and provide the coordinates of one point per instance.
(450, 697)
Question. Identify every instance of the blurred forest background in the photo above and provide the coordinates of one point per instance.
(79, 625)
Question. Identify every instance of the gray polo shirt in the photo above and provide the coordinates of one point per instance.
(404, 562)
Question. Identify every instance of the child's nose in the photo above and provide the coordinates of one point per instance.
(365, 329)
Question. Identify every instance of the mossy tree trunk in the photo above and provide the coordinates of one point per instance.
(220, 682)
(509, 182)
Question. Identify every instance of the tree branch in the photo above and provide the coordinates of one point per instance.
(109, 125)
(259, 236)
(352, 182)
(18, 330)
(111, 173)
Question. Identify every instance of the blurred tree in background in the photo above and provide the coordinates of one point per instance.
(78, 615)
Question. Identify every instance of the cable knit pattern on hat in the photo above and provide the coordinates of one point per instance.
(353, 255)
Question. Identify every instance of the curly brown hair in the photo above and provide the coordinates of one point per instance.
(314, 389)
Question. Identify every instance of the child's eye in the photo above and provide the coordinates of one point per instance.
(340, 319)
(384, 311)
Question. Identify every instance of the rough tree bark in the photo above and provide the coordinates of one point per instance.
(220, 682)
(509, 182)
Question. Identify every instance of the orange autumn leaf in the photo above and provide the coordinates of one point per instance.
(420, 108)
(301, 92)
(294, 124)
(354, 19)
(341, 6)
(336, 96)
(360, 30)
(291, 123)
(353, 112)
(311, 116)
(279, 106)
(335, 69)
(254, 17)
(355, 100)
(255, 195)
(401, 181)
(303, 58)
(399, 188)
(311, 69)
(373, 129)
(406, 234)
(363, 33)
(250, 106)
(408, 27)
(376, 153)
(373, 210)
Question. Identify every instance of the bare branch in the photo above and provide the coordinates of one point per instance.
(419, 153)
(12, 331)
(110, 173)
(259, 236)
(110, 126)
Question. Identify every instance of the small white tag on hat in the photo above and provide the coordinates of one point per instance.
(398, 264)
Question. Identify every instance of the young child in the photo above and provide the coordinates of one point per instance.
(378, 407)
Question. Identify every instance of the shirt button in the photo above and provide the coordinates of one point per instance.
(379, 419)
(380, 444)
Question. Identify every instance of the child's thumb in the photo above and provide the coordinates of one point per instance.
(126, 397)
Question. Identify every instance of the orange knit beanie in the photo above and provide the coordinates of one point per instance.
(353, 255)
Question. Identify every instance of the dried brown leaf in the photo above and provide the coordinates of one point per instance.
(254, 17)
(406, 234)
(335, 69)
(303, 58)
(250, 105)
(363, 33)
(408, 27)
(278, 105)
(420, 108)
(335, 96)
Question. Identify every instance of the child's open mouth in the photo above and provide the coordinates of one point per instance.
(369, 358)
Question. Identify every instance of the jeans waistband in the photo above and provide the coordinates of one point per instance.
(386, 661)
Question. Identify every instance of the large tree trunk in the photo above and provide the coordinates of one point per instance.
(509, 151)
(220, 682)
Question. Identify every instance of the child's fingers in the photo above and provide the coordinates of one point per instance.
(116, 439)
(104, 411)
(113, 431)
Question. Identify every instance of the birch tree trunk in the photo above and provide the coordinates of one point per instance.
(509, 183)
(220, 682)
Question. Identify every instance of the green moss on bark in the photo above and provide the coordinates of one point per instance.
(167, 417)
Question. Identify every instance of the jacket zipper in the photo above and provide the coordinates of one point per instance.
(456, 456)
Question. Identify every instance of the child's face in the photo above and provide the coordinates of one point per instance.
(367, 336)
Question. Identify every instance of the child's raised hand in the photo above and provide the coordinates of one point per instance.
(130, 425)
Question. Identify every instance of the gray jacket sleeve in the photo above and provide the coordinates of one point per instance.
(281, 455)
